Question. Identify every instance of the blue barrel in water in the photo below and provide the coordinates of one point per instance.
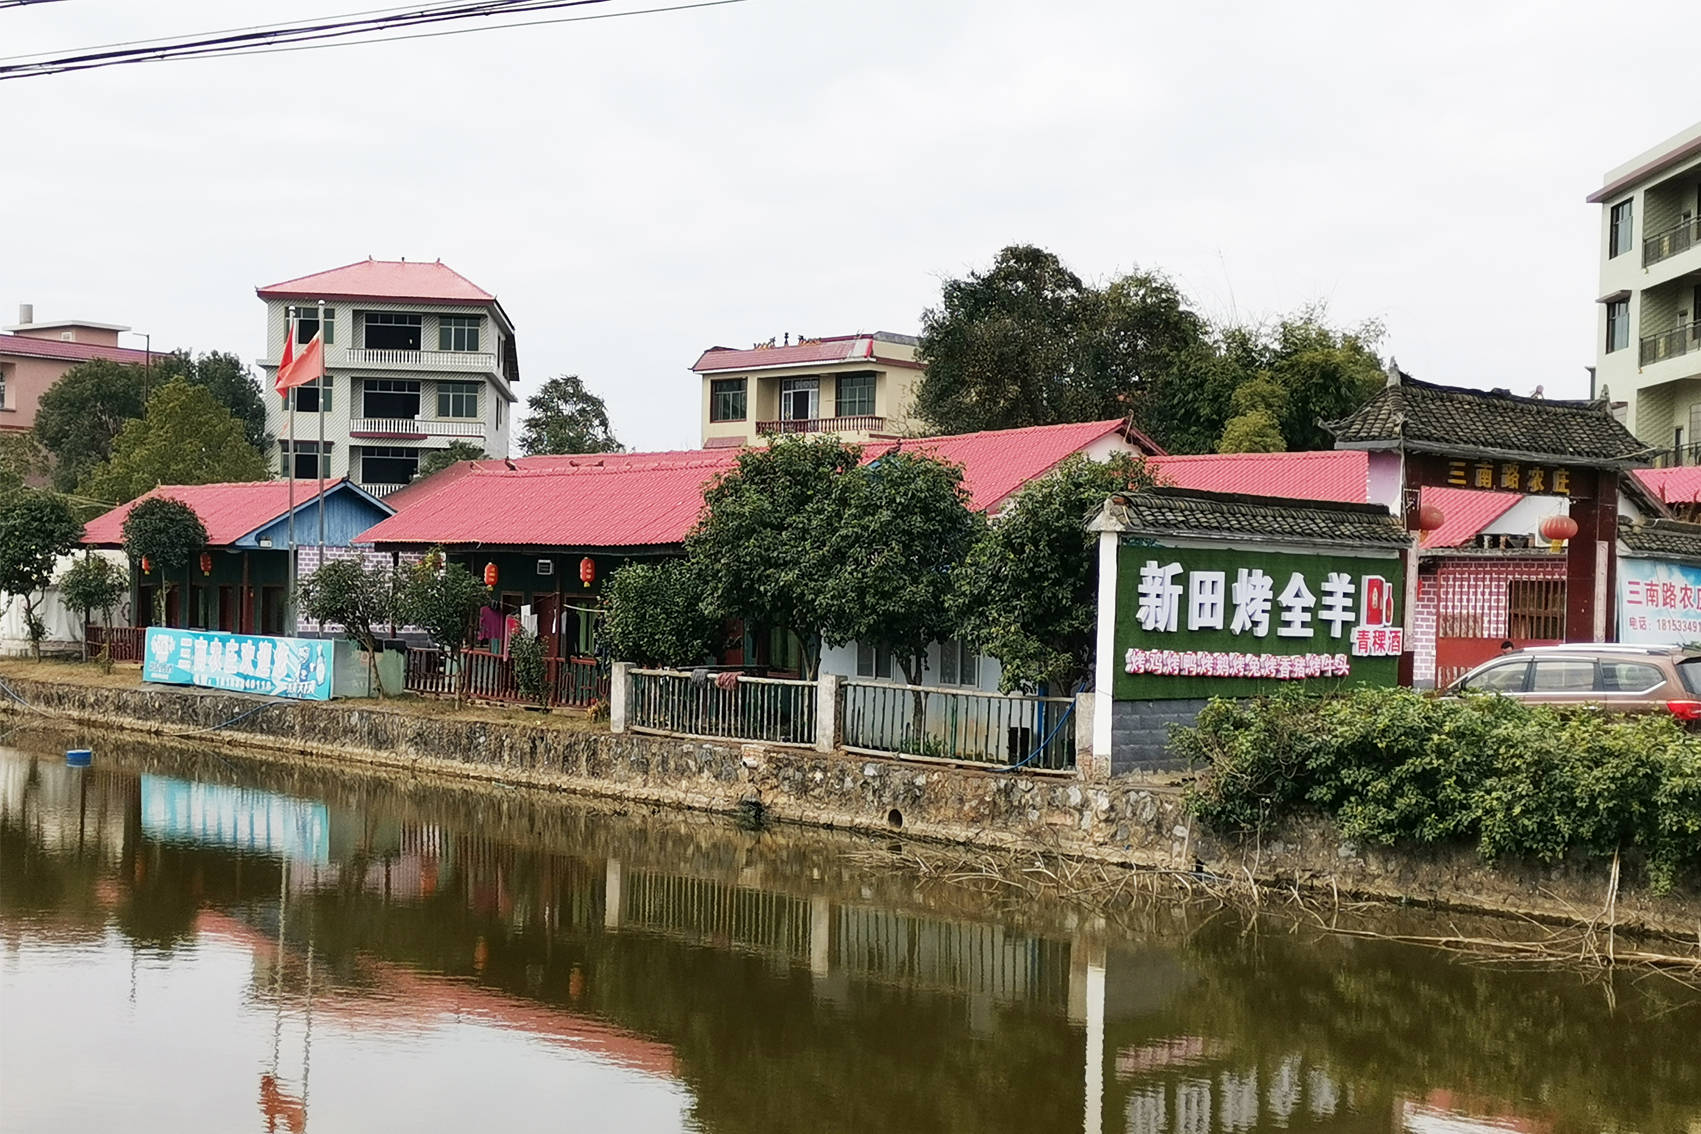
(79, 757)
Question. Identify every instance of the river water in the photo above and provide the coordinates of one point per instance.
(194, 942)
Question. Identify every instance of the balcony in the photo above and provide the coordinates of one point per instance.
(863, 423)
(472, 362)
(1683, 339)
(415, 428)
(1666, 243)
(381, 490)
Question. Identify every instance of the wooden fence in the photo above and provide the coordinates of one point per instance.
(126, 641)
(486, 676)
(727, 704)
(959, 724)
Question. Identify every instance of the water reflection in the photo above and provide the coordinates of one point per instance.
(244, 947)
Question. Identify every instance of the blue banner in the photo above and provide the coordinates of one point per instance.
(1659, 602)
(239, 663)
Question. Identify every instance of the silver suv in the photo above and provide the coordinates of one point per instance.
(1628, 679)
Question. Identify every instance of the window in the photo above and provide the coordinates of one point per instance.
(726, 399)
(4, 373)
(853, 395)
(379, 465)
(1563, 675)
(306, 468)
(1690, 670)
(1618, 325)
(307, 324)
(958, 664)
(457, 399)
(1535, 610)
(873, 661)
(800, 398)
(389, 397)
(307, 397)
(1618, 236)
(1629, 676)
(458, 332)
(1508, 677)
(392, 330)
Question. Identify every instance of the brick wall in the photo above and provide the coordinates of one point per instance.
(1466, 598)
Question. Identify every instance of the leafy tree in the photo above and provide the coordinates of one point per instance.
(769, 531)
(186, 437)
(531, 670)
(93, 583)
(36, 528)
(443, 599)
(656, 614)
(22, 460)
(1027, 342)
(1027, 594)
(360, 598)
(1255, 432)
(81, 415)
(226, 378)
(567, 418)
(168, 535)
(1326, 373)
(456, 451)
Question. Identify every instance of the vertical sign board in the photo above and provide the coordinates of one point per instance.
(1659, 602)
(1197, 622)
(239, 663)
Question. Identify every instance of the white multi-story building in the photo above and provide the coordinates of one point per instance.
(417, 357)
(1648, 331)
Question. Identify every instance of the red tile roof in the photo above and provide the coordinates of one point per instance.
(426, 281)
(1464, 512)
(1331, 474)
(1673, 486)
(228, 511)
(841, 348)
(26, 347)
(654, 499)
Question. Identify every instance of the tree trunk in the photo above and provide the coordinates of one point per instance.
(912, 667)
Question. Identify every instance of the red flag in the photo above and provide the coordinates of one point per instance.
(288, 359)
(300, 369)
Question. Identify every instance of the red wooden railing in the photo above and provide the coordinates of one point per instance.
(126, 641)
(485, 676)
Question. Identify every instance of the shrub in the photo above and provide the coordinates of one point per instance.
(531, 672)
(1397, 767)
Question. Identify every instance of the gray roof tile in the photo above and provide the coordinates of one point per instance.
(1671, 538)
(1189, 512)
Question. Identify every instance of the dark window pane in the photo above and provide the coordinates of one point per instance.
(854, 395)
(727, 399)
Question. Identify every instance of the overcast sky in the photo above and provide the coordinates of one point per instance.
(636, 189)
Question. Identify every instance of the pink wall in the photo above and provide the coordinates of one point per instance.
(26, 380)
(1461, 586)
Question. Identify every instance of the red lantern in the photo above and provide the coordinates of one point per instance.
(490, 574)
(587, 570)
(206, 563)
(1429, 518)
(146, 566)
(1557, 529)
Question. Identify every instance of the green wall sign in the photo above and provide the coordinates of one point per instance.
(1237, 621)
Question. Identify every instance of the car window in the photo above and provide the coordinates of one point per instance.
(1690, 668)
(1629, 676)
(1508, 677)
(1563, 675)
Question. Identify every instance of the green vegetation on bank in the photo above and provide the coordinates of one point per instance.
(1395, 767)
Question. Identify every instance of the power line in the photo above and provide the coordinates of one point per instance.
(363, 27)
(22, 3)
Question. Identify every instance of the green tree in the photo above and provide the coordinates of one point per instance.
(1027, 342)
(1256, 431)
(1326, 372)
(93, 583)
(453, 453)
(36, 528)
(565, 417)
(1027, 594)
(168, 535)
(22, 460)
(356, 596)
(443, 599)
(226, 378)
(769, 531)
(80, 416)
(531, 669)
(655, 614)
(186, 437)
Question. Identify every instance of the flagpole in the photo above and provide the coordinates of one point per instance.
(289, 595)
(319, 457)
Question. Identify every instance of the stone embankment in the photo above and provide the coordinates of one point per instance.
(1123, 819)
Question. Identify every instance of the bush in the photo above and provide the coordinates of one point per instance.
(1397, 767)
(531, 672)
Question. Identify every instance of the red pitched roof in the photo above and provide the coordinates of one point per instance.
(1330, 474)
(654, 499)
(26, 347)
(1464, 512)
(426, 281)
(840, 348)
(1673, 486)
(228, 511)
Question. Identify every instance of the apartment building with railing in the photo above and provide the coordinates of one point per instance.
(861, 387)
(1648, 327)
(417, 357)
